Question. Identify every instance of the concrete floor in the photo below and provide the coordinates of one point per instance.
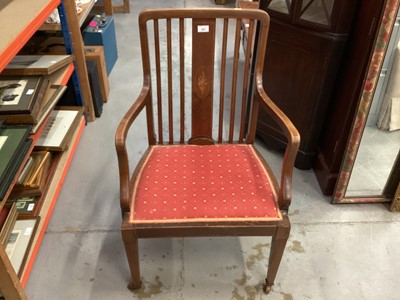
(334, 251)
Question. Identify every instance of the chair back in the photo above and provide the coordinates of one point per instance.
(198, 76)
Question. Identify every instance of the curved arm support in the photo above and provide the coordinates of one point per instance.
(120, 144)
(293, 138)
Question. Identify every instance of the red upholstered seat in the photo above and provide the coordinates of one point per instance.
(203, 183)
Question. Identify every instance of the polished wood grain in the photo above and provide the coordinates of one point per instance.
(9, 282)
(124, 8)
(203, 48)
(302, 66)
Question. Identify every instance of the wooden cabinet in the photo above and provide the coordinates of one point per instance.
(306, 43)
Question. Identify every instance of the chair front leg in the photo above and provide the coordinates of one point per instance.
(132, 252)
(278, 244)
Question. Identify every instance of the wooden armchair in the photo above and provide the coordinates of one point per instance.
(201, 175)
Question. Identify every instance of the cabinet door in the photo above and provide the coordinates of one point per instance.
(299, 71)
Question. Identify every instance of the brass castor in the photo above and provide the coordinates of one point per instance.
(134, 286)
(267, 287)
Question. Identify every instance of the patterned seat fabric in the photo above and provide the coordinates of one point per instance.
(203, 183)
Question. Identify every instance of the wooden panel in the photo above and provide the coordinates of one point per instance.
(299, 73)
(287, 57)
(9, 281)
(203, 35)
(124, 8)
(96, 53)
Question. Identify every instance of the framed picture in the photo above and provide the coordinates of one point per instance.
(36, 64)
(27, 207)
(45, 104)
(20, 241)
(40, 159)
(51, 98)
(12, 169)
(59, 128)
(14, 148)
(19, 94)
(33, 171)
(8, 216)
(11, 140)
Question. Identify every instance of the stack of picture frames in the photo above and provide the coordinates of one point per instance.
(26, 92)
(34, 132)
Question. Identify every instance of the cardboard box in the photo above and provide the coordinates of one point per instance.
(96, 53)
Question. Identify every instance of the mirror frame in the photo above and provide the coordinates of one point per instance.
(395, 207)
(375, 64)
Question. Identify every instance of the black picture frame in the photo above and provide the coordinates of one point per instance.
(18, 94)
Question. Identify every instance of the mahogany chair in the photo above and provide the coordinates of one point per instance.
(201, 175)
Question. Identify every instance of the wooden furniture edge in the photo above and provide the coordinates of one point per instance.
(124, 8)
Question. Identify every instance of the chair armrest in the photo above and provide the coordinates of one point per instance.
(120, 144)
(293, 138)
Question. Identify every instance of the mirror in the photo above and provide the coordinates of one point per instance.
(369, 171)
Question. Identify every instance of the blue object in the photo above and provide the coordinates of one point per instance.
(101, 32)
(68, 47)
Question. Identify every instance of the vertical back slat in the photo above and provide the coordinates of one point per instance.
(182, 76)
(246, 79)
(222, 82)
(203, 51)
(234, 79)
(158, 81)
(169, 67)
